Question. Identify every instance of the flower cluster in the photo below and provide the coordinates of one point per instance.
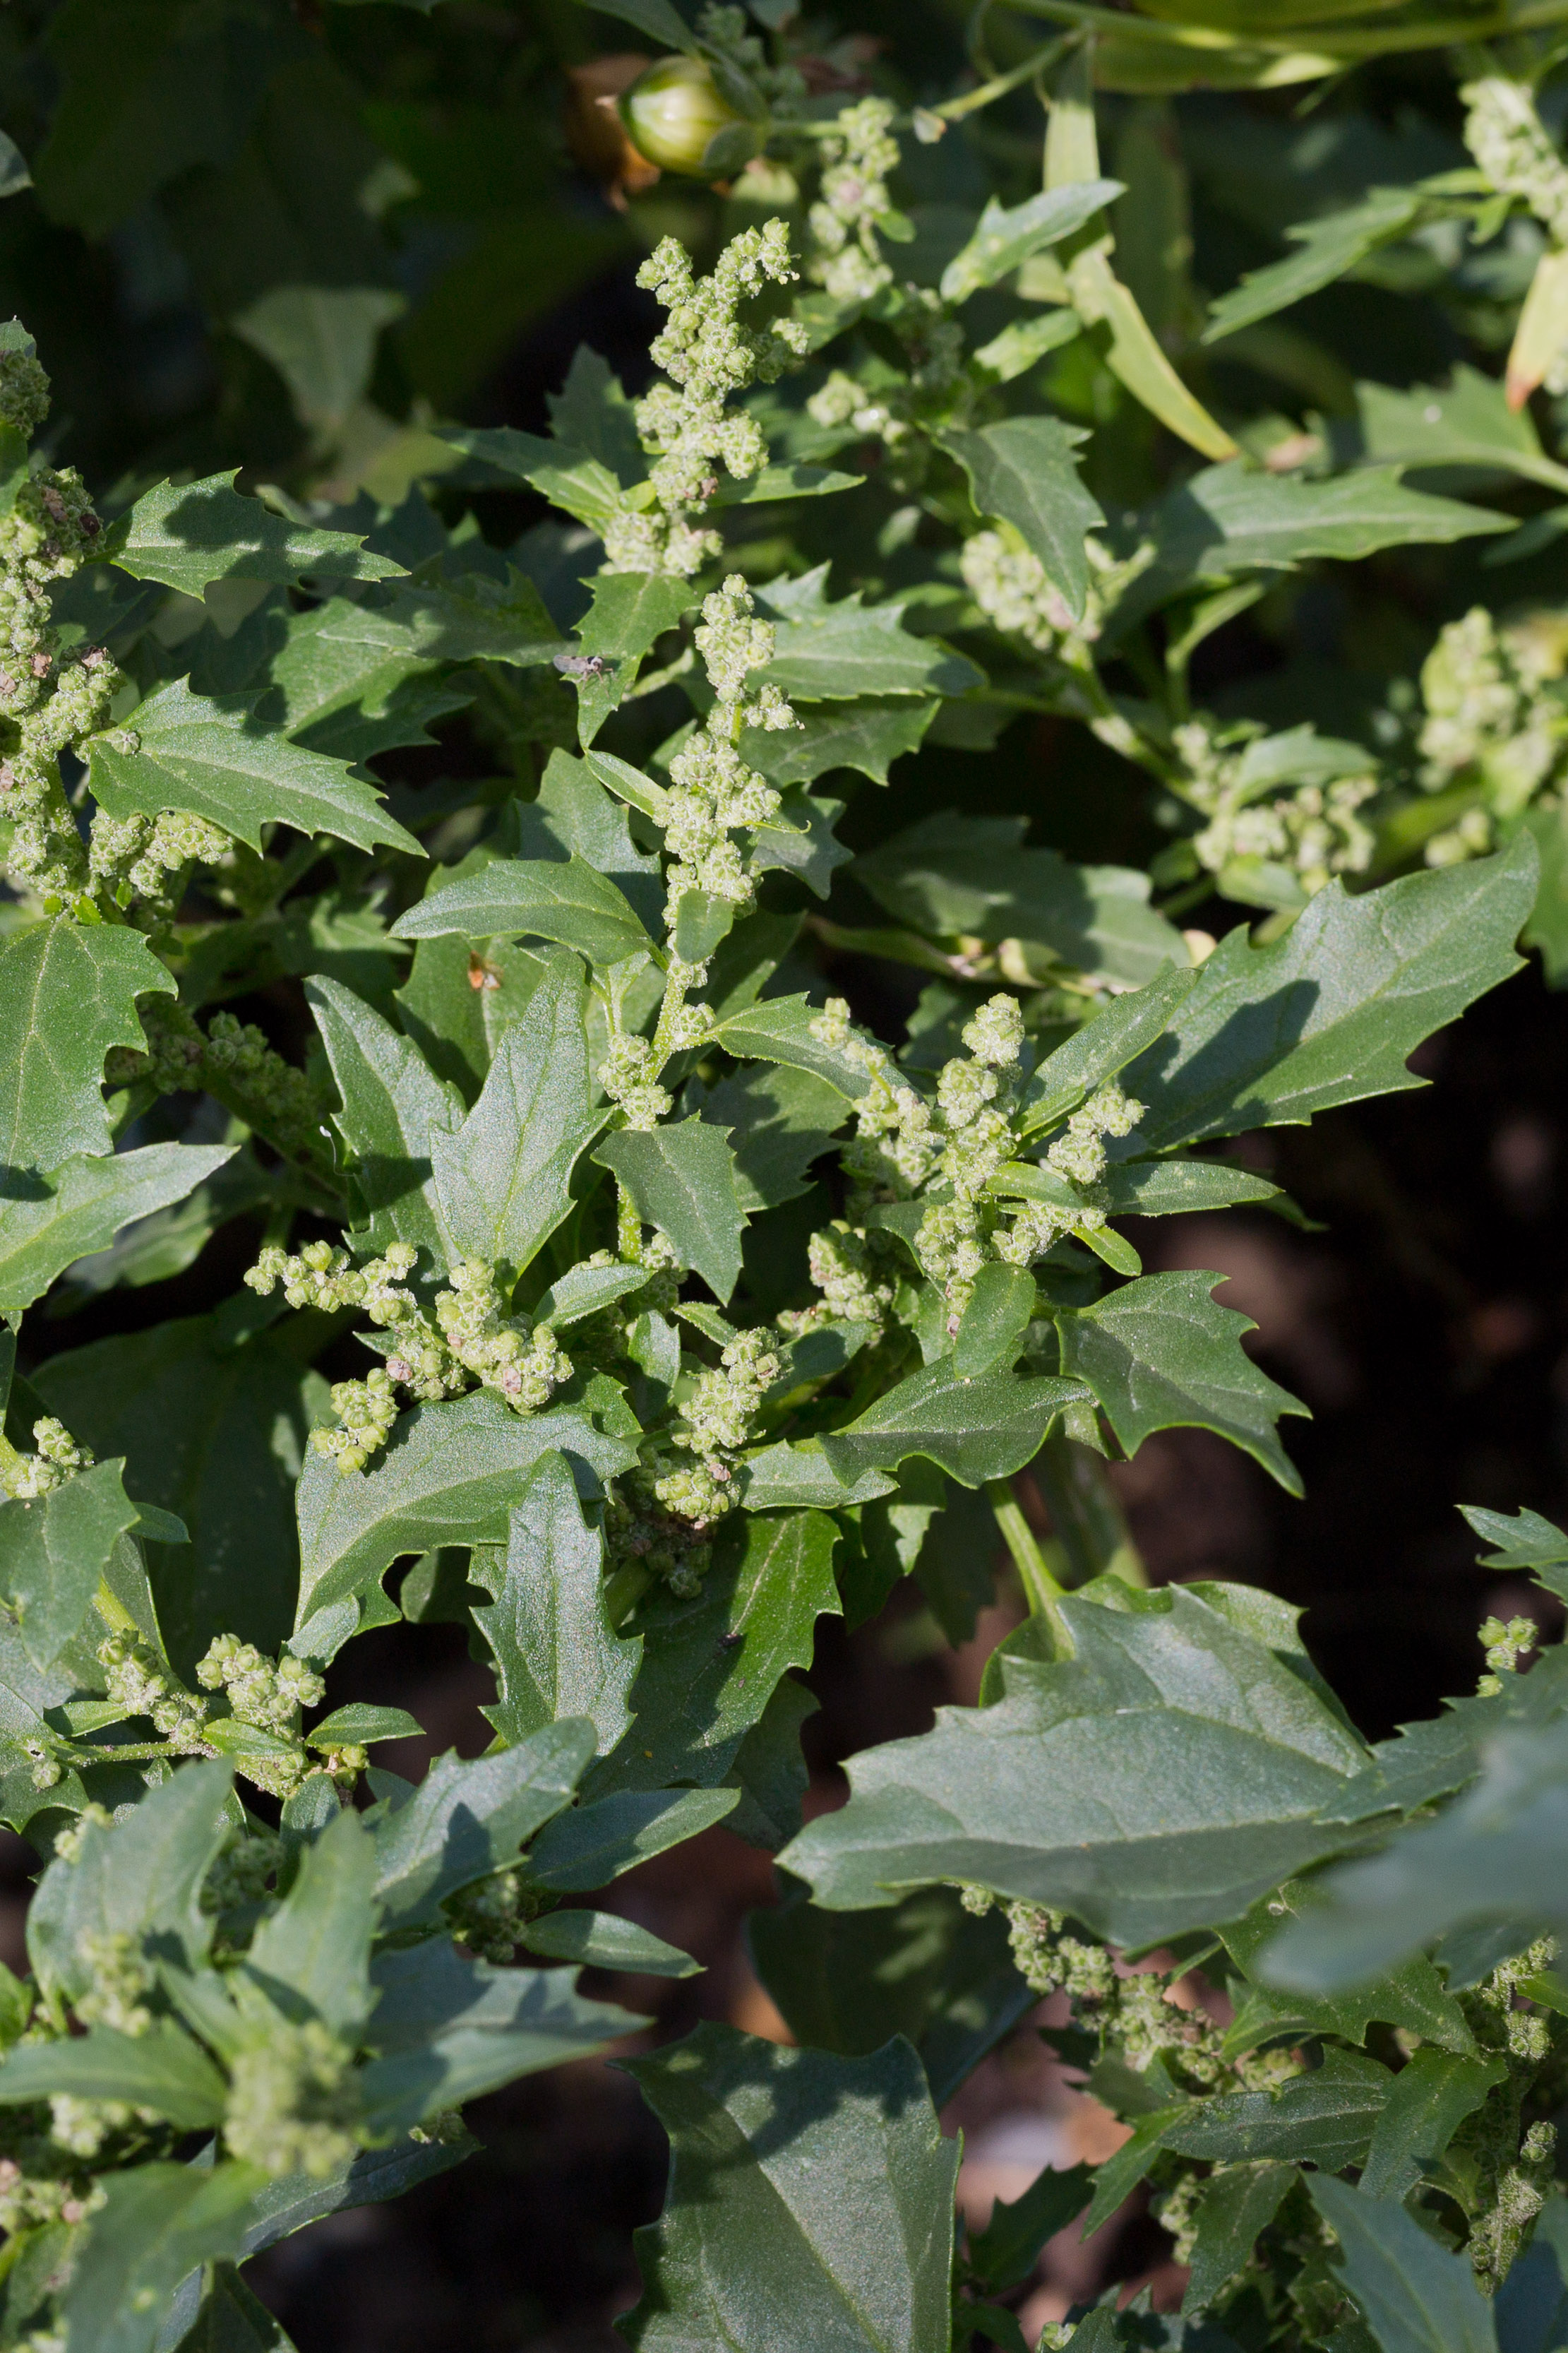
(121, 1983)
(713, 793)
(53, 702)
(709, 356)
(1313, 831)
(132, 857)
(857, 154)
(293, 2101)
(1491, 717)
(25, 1477)
(489, 1917)
(139, 1682)
(432, 1353)
(718, 1417)
(259, 1692)
(232, 1061)
(1512, 146)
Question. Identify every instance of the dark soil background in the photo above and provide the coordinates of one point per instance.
(1426, 1328)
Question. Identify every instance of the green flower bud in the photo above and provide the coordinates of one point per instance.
(674, 114)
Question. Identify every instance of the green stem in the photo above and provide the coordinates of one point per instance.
(1085, 1515)
(1037, 62)
(1041, 1589)
(625, 1589)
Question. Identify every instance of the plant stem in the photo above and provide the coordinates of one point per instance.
(1041, 1589)
(1085, 1515)
(1038, 62)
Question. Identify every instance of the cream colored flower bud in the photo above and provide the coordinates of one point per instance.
(674, 111)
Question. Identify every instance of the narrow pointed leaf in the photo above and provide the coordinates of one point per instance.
(554, 1650)
(465, 1821)
(83, 1204)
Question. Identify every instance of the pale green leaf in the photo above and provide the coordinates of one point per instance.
(1496, 1854)
(710, 1663)
(587, 1846)
(316, 1946)
(867, 736)
(681, 1179)
(449, 1476)
(554, 1650)
(1160, 1355)
(503, 1179)
(190, 535)
(465, 1821)
(1235, 2206)
(162, 2069)
(451, 2028)
(322, 340)
(827, 652)
(1218, 1755)
(925, 1968)
(801, 2184)
(1414, 2294)
(211, 755)
(1007, 236)
(1327, 249)
(54, 1548)
(571, 904)
(1466, 423)
(394, 1110)
(136, 1877)
(79, 1207)
(953, 874)
(1024, 472)
(602, 1940)
(157, 2223)
(213, 1426)
(67, 995)
(780, 1030)
(982, 1427)
(1328, 1014)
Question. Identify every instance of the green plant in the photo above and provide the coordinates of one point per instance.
(699, 1313)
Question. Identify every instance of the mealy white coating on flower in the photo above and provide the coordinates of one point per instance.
(1511, 145)
(1010, 586)
(857, 155)
(904, 1144)
(259, 1690)
(713, 793)
(1491, 717)
(60, 1457)
(709, 355)
(433, 1354)
(293, 2101)
(1314, 831)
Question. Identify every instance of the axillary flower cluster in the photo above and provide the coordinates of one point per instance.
(947, 1153)
(52, 701)
(433, 1352)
